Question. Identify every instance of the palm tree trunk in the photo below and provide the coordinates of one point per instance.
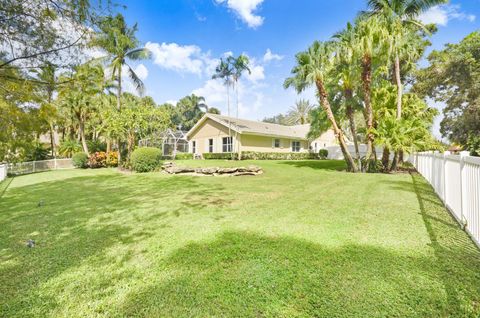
(398, 82)
(81, 130)
(338, 132)
(394, 162)
(52, 140)
(109, 146)
(351, 119)
(366, 85)
(119, 108)
(385, 158)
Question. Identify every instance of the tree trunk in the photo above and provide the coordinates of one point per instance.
(394, 162)
(385, 158)
(81, 130)
(52, 140)
(366, 85)
(119, 108)
(338, 132)
(398, 82)
(109, 145)
(351, 119)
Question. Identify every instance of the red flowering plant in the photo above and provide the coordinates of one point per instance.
(97, 160)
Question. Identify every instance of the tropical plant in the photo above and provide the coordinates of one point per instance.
(68, 147)
(299, 114)
(120, 44)
(188, 111)
(313, 67)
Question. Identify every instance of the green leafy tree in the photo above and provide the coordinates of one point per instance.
(188, 111)
(453, 78)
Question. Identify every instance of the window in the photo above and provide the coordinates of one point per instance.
(210, 145)
(227, 144)
(295, 146)
(276, 143)
(194, 146)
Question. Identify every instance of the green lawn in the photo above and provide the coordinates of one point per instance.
(301, 240)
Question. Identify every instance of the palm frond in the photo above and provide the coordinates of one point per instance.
(136, 81)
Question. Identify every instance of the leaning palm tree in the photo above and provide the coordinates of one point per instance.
(120, 44)
(48, 111)
(299, 114)
(313, 67)
(398, 14)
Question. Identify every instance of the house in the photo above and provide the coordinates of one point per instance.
(216, 133)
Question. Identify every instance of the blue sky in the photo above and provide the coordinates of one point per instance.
(187, 37)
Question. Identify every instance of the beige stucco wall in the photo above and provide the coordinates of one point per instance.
(265, 144)
(209, 130)
(327, 139)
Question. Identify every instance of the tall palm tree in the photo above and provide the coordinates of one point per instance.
(313, 67)
(299, 114)
(371, 47)
(238, 65)
(348, 71)
(120, 44)
(225, 71)
(397, 14)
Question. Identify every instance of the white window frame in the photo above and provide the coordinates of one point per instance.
(228, 145)
(210, 145)
(299, 146)
(274, 140)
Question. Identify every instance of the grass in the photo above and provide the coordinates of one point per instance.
(301, 240)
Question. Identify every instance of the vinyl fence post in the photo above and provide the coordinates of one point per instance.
(33, 166)
(445, 154)
(55, 163)
(463, 154)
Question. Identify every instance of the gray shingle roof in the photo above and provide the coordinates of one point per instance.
(244, 126)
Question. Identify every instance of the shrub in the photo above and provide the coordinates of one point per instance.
(112, 159)
(80, 160)
(68, 147)
(473, 145)
(253, 155)
(220, 155)
(97, 160)
(184, 156)
(323, 153)
(96, 146)
(145, 159)
(38, 151)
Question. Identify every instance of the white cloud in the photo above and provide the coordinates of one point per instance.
(257, 72)
(244, 9)
(269, 56)
(141, 71)
(171, 56)
(442, 14)
(215, 93)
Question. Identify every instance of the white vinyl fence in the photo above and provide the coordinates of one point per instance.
(35, 166)
(456, 180)
(3, 172)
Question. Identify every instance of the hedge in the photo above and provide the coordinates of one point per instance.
(220, 155)
(145, 159)
(184, 156)
(80, 160)
(253, 155)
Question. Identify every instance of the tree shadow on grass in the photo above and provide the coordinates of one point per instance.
(80, 219)
(248, 275)
(332, 165)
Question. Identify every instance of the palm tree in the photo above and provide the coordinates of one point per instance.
(348, 71)
(225, 71)
(120, 44)
(371, 47)
(299, 114)
(313, 67)
(397, 14)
